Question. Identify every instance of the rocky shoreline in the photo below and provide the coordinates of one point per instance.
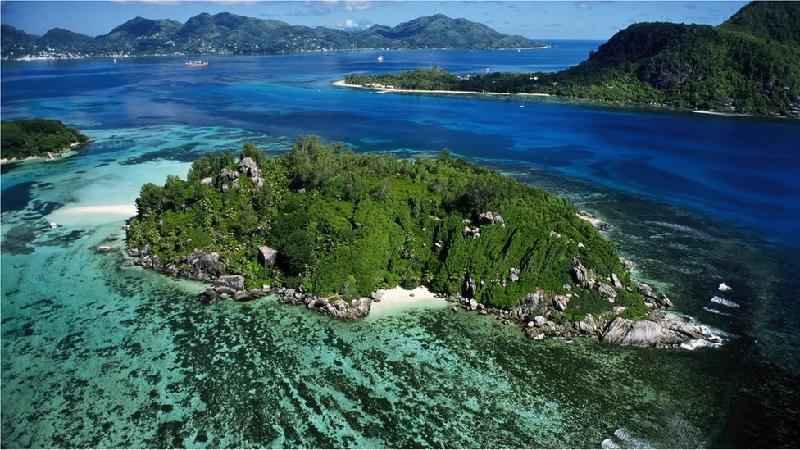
(539, 315)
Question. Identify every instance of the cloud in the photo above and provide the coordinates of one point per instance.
(353, 24)
(326, 7)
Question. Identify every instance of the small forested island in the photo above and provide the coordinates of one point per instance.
(748, 65)
(325, 227)
(38, 139)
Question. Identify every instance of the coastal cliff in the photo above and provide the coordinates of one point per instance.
(326, 228)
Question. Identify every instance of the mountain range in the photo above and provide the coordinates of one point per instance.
(230, 34)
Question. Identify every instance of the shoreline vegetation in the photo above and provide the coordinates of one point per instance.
(28, 140)
(749, 65)
(336, 232)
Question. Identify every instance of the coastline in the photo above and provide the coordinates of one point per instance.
(66, 152)
(342, 83)
(558, 98)
(68, 57)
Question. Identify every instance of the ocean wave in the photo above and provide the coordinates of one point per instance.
(724, 302)
(716, 311)
(622, 438)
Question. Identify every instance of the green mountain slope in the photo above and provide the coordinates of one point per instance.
(226, 33)
(750, 64)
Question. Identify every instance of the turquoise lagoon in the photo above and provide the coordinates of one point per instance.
(98, 353)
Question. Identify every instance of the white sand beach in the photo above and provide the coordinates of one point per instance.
(395, 300)
(90, 214)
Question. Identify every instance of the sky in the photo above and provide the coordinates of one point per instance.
(534, 19)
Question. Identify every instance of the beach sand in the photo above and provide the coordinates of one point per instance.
(92, 214)
(396, 300)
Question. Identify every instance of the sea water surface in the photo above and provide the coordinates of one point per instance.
(98, 353)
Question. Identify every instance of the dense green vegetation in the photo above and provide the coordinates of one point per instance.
(346, 223)
(37, 137)
(750, 64)
(226, 33)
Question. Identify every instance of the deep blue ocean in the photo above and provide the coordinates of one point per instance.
(96, 353)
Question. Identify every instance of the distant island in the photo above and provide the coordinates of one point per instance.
(748, 65)
(27, 139)
(230, 34)
(326, 228)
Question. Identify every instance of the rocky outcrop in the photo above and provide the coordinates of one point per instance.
(541, 314)
(203, 266)
(337, 308)
(228, 179)
(662, 329)
(249, 168)
(583, 277)
(490, 218)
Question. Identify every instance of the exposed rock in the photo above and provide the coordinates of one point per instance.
(583, 276)
(533, 299)
(473, 304)
(539, 321)
(661, 329)
(235, 282)
(249, 168)
(589, 325)
(514, 274)
(646, 290)
(472, 232)
(664, 301)
(560, 302)
(490, 217)
(267, 255)
(607, 291)
(617, 282)
(227, 176)
(202, 266)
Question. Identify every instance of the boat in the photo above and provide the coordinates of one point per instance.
(380, 58)
(196, 63)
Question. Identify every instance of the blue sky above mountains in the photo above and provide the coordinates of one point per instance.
(547, 20)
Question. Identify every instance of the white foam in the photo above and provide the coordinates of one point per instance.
(694, 344)
(724, 287)
(724, 302)
(715, 311)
